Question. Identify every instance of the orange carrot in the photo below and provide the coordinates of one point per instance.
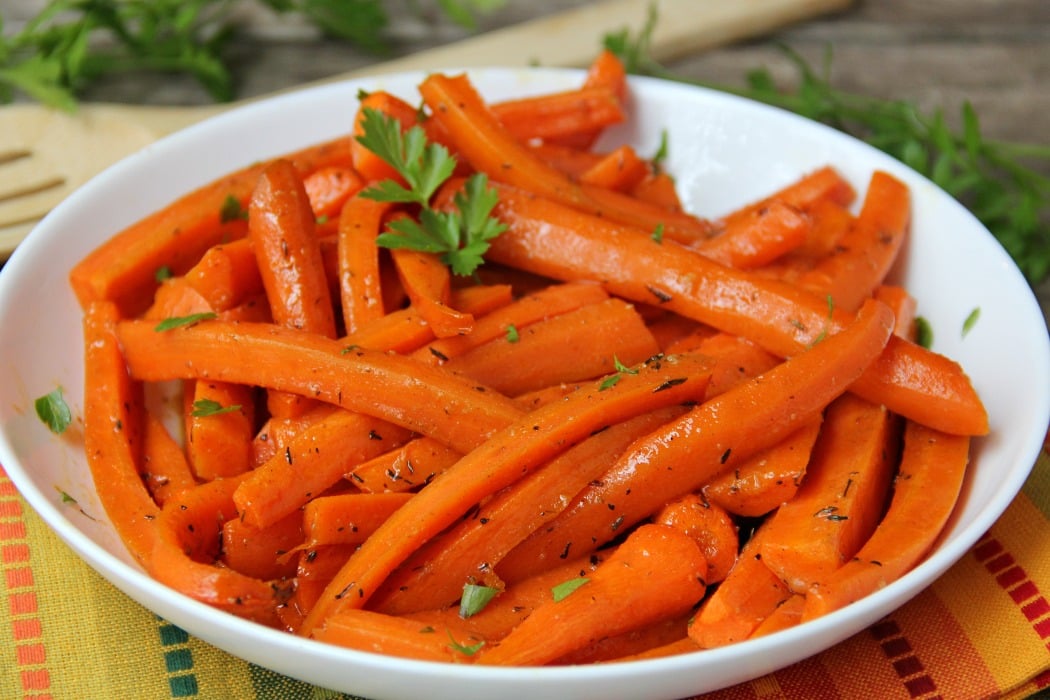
(262, 552)
(498, 462)
(370, 166)
(113, 417)
(558, 242)
(622, 170)
(656, 574)
(221, 426)
(658, 189)
(166, 470)
(925, 490)
(405, 468)
(786, 615)
(347, 518)
(277, 431)
(393, 636)
(428, 283)
(360, 288)
(124, 268)
(904, 308)
(840, 500)
(710, 526)
(560, 115)
(710, 438)
(227, 275)
(645, 640)
(759, 237)
(328, 189)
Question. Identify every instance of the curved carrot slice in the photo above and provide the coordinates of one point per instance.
(546, 238)
(710, 526)
(329, 188)
(113, 416)
(227, 275)
(924, 493)
(622, 170)
(710, 439)
(424, 399)
(262, 552)
(166, 470)
(428, 283)
(758, 238)
(406, 468)
(360, 287)
(563, 115)
(220, 429)
(347, 518)
(656, 574)
(498, 462)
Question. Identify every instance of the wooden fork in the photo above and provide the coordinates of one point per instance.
(45, 154)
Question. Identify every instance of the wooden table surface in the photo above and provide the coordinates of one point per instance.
(938, 53)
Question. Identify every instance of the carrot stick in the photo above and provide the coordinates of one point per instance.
(925, 490)
(758, 238)
(710, 438)
(658, 189)
(608, 71)
(316, 567)
(374, 632)
(786, 615)
(574, 346)
(187, 544)
(328, 189)
(123, 269)
(820, 185)
(560, 115)
(748, 595)
(360, 288)
(113, 418)
(766, 479)
(347, 518)
(221, 426)
(491, 149)
(436, 573)
(863, 257)
(570, 160)
(904, 308)
(656, 574)
(622, 170)
(310, 463)
(498, 462)
(262, 552)
(405, 468)
(840, 500)
(423, 399)
(428, 283)
(710, 526)
(278, 431)
(166, 470)
(227, 275)
(633, 643)
(552, 240)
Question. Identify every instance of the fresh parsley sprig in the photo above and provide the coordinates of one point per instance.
(1002, 183)
(460, 236)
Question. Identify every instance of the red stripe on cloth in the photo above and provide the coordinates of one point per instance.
(1013, 579)
(906, 663)
(26, 627)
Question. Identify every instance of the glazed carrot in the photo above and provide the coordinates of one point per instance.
(424, 399)
(227, 275)
(405, 468)
(759, 237)
(370, 631)
(166, 471)
(277, 431)
(328, 189)
(497, 462)
(636, 642)
(710, 438)
(347, 518)
(428, 283)
(684, 645)
(841, 499)
(710, 526)
(904, 308)
(569, 160)
(221, 425)
(436, 573)
(370, 166)
(360, 288)
(574, 346)
(924, 493)
(820, 185)
(186, 549)
(766, 479)
(560, 115)
(831, 220)
(608, 71)
(779, 317)
(123, 269)
(315, 568)
(176, 297)
(656, 574)
(113, 417)
(310, 463)
(737, 360)
(786, 615)
(491, 149)
(862, 258)
(530, 308)
(748, 595)
(622, 170)
(659, 189)
(262, 552)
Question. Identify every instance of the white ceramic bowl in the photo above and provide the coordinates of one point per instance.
(724, 152)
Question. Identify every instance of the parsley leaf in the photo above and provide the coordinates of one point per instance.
(562, 590)
(202, 408)
(180, 321)
(53, 410)
(465, 649)
(475, 598)
(423, 165)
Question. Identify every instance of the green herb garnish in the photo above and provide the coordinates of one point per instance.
(614, 379)
(202, 408)
(232, 210)
(512, 334)
(971, 321)
(474, 599)
(53, 410)
(562, 590)
(181, 321)
(465, 649)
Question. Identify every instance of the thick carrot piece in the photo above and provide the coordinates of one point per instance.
(227, 275)
(749, 595)
(863, 257)
(374, 632)
(406, 468)
(622, 170)
(310, 463)
(348, 518)
(186, 549)
(436, 573)
(767, 479)
(840, 500)
(710, 438)
(932, 468)
(640, 641)
(428, 283)
(493, 150)
(360, 281)
(710, 526)
(221, 427)
(823, 184)
(787, 615)
(498, 462)
(575, 346)
(123, 269)
(759, 237)
(113, 433)
(656, 574)
(427, 400)
(166, 471)
(262, 552)
(560, 115)
(328, 189)
(904, 308)
(549, 239)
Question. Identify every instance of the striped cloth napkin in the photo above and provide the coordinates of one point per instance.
(981, 631)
